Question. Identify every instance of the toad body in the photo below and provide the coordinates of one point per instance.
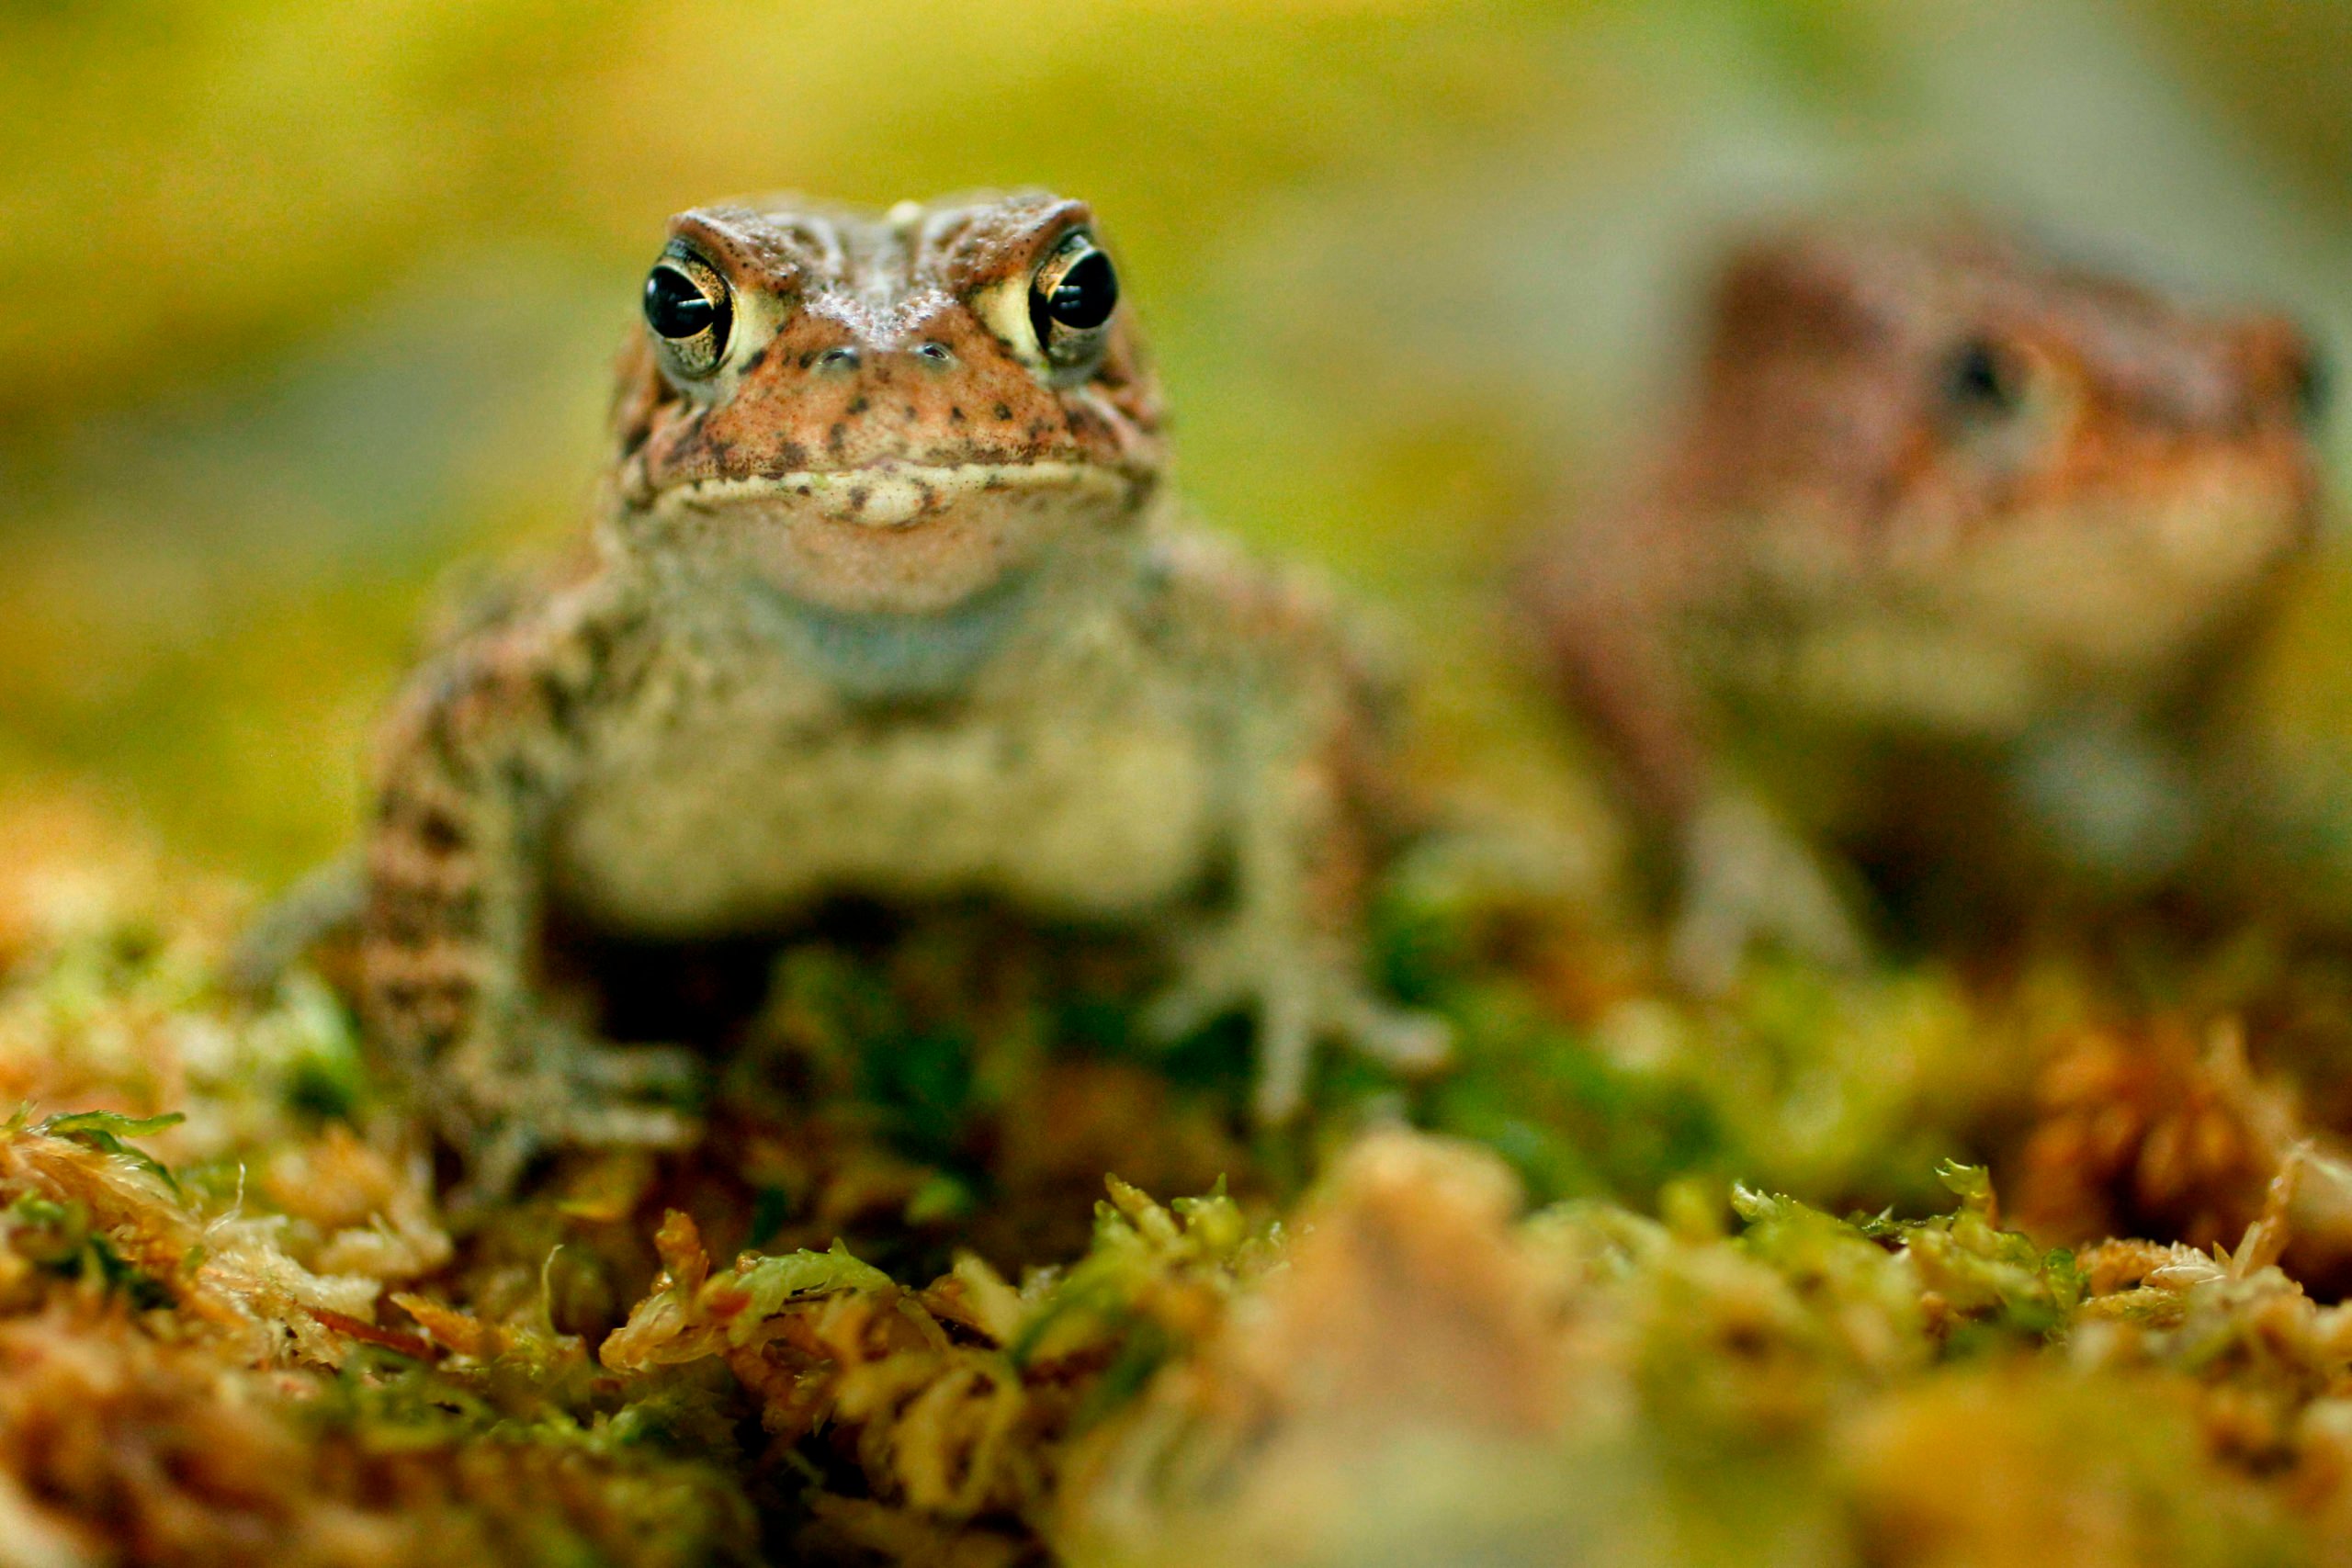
(887, 598)
(1942, 591)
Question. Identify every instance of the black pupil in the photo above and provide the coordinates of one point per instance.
(2313, 389)
(1086, 295)
(1978, 380)
(674, 307)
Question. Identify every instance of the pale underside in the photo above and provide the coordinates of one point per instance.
(1983, 638)
(1076, 778)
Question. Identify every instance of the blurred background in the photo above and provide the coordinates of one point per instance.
(309, 302)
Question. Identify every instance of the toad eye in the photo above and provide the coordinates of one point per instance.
(1982, 381)
(1070, 301)
(688, 307)
(2313, 388)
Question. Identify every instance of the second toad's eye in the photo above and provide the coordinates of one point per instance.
(1071, 299)
(1983, 381)
(2312, 388)
(687, 305)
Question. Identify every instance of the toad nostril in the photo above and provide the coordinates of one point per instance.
(934, 353)
(838, 360)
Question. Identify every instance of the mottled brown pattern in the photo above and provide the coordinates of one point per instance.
(886, 294)
(886, 599)
(1938, 497)
(1821, 384)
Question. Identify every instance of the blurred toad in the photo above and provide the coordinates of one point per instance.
(1940, 591)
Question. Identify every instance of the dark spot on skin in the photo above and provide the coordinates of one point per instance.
(792, 454)
(858, 404)
(835, 436)
(807, 359)
(910, 411)
(439, 833)
(441, 741)
(857, 499)
(455, 993)
(759, 357)
(415, 918)
(556, 698)
(1747, 1340)
(596, 642)
(1038, 428)
(954, 414)
(1003, 411)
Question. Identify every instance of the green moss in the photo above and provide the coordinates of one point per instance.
(106, 1130)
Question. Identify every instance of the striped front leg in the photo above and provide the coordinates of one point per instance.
(476, 759)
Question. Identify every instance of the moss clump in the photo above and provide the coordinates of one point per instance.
(943, 1414)
(1432, 1378)
(1600, 1305)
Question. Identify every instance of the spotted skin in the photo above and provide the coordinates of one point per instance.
(891, 601)
(1936, 587)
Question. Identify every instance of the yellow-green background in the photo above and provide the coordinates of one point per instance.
(304, 302)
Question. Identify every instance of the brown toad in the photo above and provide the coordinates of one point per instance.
(887, 596)
(1948, 569)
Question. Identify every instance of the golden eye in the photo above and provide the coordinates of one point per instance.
(689, 309)
(1070, 301)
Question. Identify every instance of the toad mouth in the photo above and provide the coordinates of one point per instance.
(893, 494)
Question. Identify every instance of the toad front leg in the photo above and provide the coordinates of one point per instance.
(1603, 608)
(1290, 949)
(476, 759)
